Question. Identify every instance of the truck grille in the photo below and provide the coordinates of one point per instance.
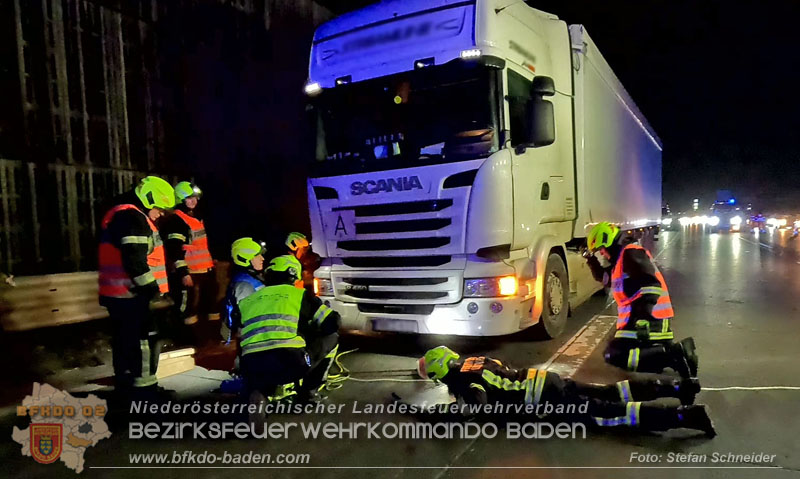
(402, 226)
(395, 261)
(393, 244)
(419, 227)
(428, 206)
(399, 288)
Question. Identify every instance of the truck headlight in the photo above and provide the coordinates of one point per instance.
(491, 287)
(736, 220)
(713, 221)
(323, 287)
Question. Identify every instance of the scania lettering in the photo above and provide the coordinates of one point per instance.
(388, 185)
(464, 150)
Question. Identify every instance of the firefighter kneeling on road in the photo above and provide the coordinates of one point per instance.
(482, 380)
(644, 339)
(287, 335)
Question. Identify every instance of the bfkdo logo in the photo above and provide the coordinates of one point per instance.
(61, 428)
(46, 441)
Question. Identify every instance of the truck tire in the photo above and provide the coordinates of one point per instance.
(556, 298)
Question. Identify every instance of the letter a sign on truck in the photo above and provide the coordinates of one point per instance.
(342, 226)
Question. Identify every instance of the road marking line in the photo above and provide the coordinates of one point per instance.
(572, 354)
(754, 388)
(763, 245)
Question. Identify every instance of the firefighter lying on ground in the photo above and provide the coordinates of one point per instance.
(483, 380)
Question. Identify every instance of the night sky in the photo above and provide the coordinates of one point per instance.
(719, 82)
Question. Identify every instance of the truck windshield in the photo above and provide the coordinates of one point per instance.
(432, 115)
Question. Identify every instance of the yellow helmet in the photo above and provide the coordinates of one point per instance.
(603, 234)
(245, 249)
(436, 362)
(287, 263)
(185, 189)
(295, 241)
(155, 192)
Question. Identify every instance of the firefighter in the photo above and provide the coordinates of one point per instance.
(192, 277)
(483, 380)
(287, 335)
(300, 248)
(132, 277)
(643, 340)
(246, 277)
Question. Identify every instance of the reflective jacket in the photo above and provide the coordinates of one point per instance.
(131, 254)
(482, 380)
(242, 285)
(187, 244)
(641, 293)
(279, 316)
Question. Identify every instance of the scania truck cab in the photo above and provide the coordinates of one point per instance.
(464, 149)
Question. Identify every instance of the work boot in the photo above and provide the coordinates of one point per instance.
(687, 390)
(690, 350)
(307, 396)
(259, 416)
(696, 417)
(679, 360)
(683, 389)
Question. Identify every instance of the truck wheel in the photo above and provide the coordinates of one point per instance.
(556, 298)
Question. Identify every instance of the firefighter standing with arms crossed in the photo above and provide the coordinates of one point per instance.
(192, 278)
(132, 278)
(643, 340)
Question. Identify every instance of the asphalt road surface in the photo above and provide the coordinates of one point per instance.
(736, 294)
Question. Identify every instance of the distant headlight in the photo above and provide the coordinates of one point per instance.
(666, 221)
(685, 221)
(491, 287)
(713, 221)
(736, 220)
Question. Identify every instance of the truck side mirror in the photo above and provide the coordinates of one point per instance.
(539, 113)
(543, 86)
(541, 122)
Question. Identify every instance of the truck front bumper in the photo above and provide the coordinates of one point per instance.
(494, 317)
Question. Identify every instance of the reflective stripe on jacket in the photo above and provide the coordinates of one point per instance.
(270, 318)
(663, 307)
(114, 281)
(196, 248)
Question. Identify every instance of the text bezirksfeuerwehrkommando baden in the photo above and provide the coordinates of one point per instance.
(353, 430)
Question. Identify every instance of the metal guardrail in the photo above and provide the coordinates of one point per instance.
(49, 300)
(53, 300)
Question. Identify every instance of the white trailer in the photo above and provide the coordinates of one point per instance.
(464, 150)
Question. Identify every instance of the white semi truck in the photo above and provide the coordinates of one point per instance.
(464, 150)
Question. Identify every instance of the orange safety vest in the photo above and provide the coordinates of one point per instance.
(114, 282)
(663, 308)
(197, 256)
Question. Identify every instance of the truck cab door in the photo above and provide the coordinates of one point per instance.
(539, 184)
